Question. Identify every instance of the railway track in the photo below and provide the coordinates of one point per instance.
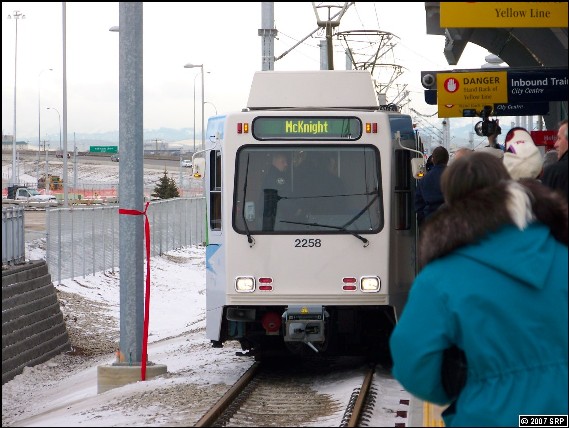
(269, 395)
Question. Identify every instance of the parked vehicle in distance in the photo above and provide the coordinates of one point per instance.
(59, 154)
(27, 194)
(186, 163)
(114, 158)
(54, 182)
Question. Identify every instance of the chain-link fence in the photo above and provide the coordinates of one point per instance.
(13, 249)
(83, 241)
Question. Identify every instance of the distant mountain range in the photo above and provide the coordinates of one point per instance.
(462, 135)
(83, 141)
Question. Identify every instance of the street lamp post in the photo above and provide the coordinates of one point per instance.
(16, 15)
(195, 112)
(59, 116)
(46, 182)
(39, 121)
(190, 65)
(213, 105)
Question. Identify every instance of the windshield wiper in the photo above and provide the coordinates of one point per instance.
(342, 228)
(364, 209)
(249, 237)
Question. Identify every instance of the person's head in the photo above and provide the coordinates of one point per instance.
(462, 152)
(561, 143)
(429, 163)
(470, 173)
(522, 158)
(332, 163)
(549, 158)
(280, 161)
(440, 156)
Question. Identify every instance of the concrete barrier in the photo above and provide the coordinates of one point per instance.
(33, 329)
(111, 376)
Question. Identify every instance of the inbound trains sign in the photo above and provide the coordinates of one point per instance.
(458, 92)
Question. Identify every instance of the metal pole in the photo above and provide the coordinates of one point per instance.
(189, 65)
(195, 113)
(181, 176)
(46, 183)
(39, 121)
(75, 168)
(59, 117)
(131, 188)
(65, 153)
(17, 15)
(203, 105)
(329, 45)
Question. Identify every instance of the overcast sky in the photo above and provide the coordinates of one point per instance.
(222, 36)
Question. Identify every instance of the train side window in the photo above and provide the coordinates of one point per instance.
(403, 197)
(215, 190)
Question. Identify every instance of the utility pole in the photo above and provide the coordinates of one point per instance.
(268, 34)
(329, 23)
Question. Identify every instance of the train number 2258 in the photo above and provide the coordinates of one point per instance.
(307, 243)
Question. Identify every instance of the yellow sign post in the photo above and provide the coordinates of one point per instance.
(457, 91)
(503, 14)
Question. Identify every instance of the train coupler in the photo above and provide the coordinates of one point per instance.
(305, 323)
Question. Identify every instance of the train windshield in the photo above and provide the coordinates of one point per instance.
(327, 189)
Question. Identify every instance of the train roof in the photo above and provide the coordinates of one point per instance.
(320, 89)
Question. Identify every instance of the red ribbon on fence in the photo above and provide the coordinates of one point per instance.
(147, 300)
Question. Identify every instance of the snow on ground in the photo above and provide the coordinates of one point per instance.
(94, 174)
(63, 390)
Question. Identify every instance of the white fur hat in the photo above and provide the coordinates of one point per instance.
(522, 158)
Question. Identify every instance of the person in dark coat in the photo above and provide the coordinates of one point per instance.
(428, 195)
(322, 188)
(276, 185)
(492, 287)
(556, 175)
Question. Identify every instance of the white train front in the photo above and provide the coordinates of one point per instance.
(310, 222)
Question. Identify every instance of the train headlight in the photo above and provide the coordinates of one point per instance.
(245, 284)
(370, 284)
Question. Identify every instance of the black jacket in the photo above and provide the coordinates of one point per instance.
(555, 175)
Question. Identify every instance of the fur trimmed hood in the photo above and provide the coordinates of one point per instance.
(485, 211)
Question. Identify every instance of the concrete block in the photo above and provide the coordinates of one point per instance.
(111, 376)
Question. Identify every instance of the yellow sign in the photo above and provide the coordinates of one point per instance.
(457, 110)
(503, 14)
(460, 90)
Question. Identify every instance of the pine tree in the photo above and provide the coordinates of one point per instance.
(166, 188)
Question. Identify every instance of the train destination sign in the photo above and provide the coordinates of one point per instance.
(307, 127)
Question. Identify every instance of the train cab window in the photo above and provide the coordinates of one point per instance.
(215, 190)
(308, 189)
(404, 185)
(403, 192)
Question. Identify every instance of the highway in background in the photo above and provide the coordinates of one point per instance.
(151, 162)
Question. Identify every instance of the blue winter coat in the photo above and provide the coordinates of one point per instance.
(503, 301)
(428, 194)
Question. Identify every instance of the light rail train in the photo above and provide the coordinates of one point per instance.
(315, 258)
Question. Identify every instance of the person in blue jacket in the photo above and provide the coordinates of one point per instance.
(428, 195)
(493, 287)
